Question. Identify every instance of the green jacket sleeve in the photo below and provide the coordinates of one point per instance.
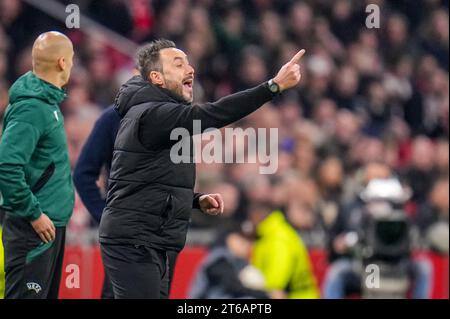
(16, 147)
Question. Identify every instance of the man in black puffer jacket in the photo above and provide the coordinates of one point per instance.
(150, 197)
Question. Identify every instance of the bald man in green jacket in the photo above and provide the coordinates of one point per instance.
(35, 179)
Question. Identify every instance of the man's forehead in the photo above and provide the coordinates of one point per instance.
(172, 53)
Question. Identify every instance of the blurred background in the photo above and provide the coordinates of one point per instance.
(372, 104)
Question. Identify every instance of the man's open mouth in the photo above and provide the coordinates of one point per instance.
(188, 83)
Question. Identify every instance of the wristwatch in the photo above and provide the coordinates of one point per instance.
(273, 87)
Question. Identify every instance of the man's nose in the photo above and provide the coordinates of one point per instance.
(190, 70)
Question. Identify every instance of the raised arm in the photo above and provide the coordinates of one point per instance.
(216, 114)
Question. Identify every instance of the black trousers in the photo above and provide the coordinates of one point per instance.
(172, 257)
(32, 268)
(107, 289)
(138, 272)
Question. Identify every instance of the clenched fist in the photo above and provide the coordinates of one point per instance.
(289, 74)
(211, 204)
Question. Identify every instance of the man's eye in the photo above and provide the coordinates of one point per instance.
(179, 65)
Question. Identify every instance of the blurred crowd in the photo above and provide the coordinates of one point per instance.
(371, 103)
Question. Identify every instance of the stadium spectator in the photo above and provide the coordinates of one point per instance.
(226, 272)
(432, 217)
(280, 254)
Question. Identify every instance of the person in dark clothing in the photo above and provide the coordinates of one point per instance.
(150, 195)
(226, 271)
(97, 154)
(431, 218)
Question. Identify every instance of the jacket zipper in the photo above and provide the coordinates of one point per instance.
(44, 178)
(165, 212)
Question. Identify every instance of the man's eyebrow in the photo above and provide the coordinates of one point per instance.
(179, 58)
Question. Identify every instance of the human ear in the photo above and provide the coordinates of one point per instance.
(156, 78)
(62, 63)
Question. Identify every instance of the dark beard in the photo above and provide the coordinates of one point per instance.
(176, 91)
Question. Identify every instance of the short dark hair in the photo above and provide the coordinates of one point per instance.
(147, 57)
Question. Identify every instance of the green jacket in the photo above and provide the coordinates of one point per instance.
(283, 258)
(34, 161)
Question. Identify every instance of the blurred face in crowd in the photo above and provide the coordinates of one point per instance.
(196, 47)
(377, 94)
(239, 245)
(302, 189)
(253, 68)
(368, 39)
(397, 30)
(305, 158)
(257, 213)
(331, 173)
(404, 68)
(78, 126)
(174, 17)
(439, 24)
(325, 112)
(300, 18)
(3, 63)
(4, 98)
(176, 75)
(373, 149)
(9, 10)
(427, 66)
(300, 215)
(234, 22)
(376, 170)
(257, 187)
(347, 126)
(439, 196)
(423, 154)
(442, 155)
(346, 81)
(439, 83)
(273, 33)
(342, 9)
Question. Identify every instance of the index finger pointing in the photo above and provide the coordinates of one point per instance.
(298, 56)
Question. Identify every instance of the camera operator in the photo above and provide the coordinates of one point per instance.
(344, 274)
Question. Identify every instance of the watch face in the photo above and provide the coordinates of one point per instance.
(273, 87)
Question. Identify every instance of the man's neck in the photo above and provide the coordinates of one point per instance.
(50, 78)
